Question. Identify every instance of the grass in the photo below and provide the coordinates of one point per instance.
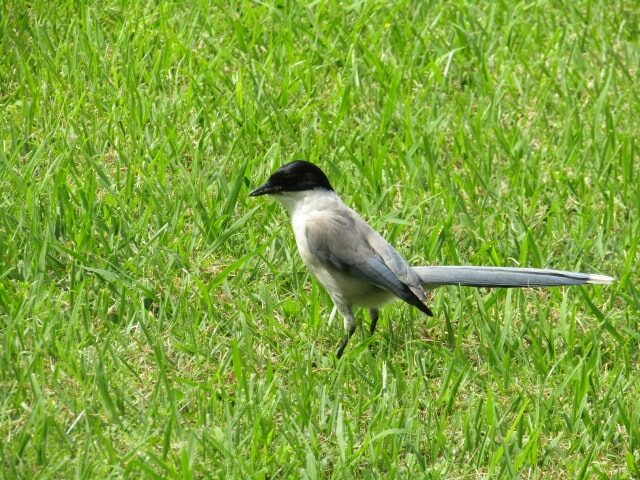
(157, 323)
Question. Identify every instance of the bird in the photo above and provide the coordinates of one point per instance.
(359, 268)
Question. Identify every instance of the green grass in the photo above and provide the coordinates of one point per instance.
(157, 323)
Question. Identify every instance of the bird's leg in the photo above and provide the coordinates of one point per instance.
(349, 327)
(374, 313)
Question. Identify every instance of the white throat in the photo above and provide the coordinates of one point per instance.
(307, 201)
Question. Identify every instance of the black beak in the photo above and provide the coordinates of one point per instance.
(262, 190)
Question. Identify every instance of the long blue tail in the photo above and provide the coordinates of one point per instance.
(504, 277)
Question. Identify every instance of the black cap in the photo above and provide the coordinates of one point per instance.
(296, 176)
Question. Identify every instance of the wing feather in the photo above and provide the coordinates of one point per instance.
(345, 242)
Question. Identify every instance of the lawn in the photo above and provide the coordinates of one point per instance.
(155, 322)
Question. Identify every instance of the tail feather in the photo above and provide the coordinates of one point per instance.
(504, 277)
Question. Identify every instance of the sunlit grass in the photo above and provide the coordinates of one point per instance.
(157, 323)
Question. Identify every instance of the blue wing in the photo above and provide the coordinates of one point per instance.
(345, 242)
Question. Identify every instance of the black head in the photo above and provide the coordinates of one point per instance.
(294, 177)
